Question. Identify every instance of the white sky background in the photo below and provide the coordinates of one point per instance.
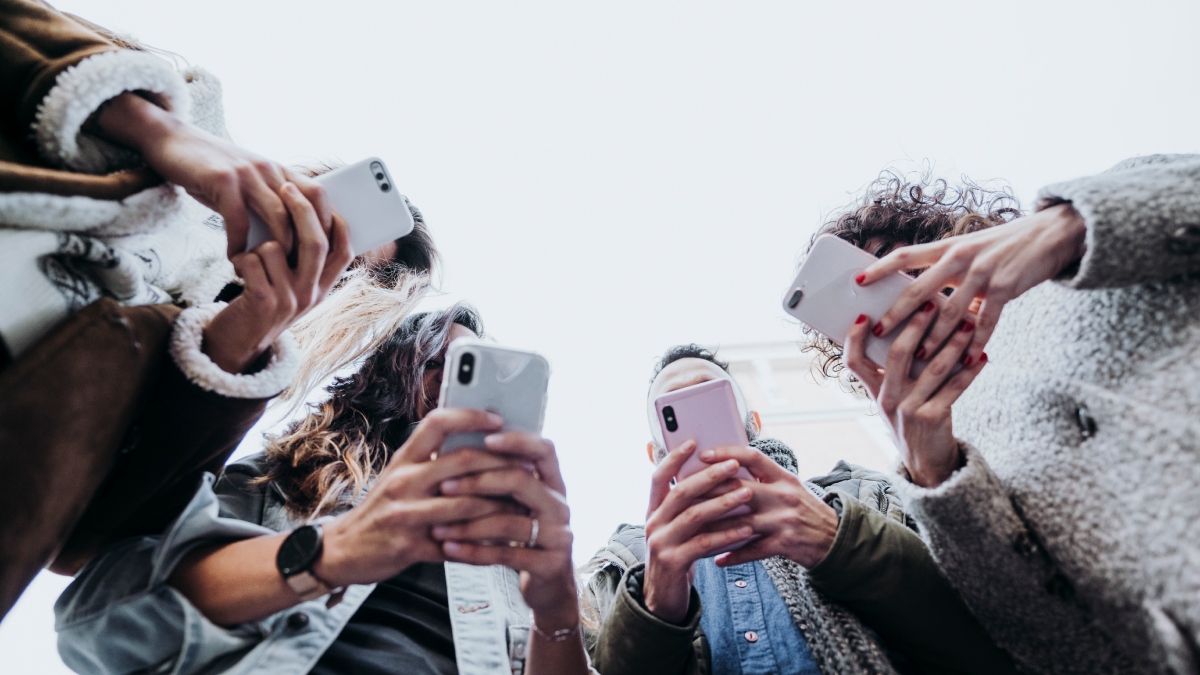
(606, 181)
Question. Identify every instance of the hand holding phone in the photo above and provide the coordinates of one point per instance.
(483, 376)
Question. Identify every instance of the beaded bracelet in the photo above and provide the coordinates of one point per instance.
(557, 636)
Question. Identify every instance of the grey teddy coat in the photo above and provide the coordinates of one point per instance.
(1073, 531)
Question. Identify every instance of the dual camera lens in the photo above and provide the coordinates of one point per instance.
(380, 176)
(668, 414)
(466, 368)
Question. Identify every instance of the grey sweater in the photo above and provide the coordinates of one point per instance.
(1073, 531)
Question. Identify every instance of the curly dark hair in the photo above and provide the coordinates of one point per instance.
(331, 455)
(688, 351)
(898, 210)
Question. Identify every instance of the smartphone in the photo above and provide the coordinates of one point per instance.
(483, 376)
(365, 196)
(825, 296)
(708, 414)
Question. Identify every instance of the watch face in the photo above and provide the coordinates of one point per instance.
(299, 550)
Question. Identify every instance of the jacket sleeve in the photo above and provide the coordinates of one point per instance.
(632, 641)
(883, 572)
(993, 558)
(55, 72)
(1143, 220)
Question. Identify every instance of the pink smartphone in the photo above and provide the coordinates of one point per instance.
(708, 414)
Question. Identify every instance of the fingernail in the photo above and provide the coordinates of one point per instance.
(745, 530)
(861, 318)
(729, 465)
(450, 485)
(928, 306)
(707, 455)
(983, 357)
(440, 531)
(452, 547)
(921, 354)
(967, 327)
(860, 278)
(967, 361)
(492, 441)
(742, 494)
(494, 419)
(877, 331)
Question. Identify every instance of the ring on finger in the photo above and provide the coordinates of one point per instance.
(533, 534)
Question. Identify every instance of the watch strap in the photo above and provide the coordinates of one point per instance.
(307, 586)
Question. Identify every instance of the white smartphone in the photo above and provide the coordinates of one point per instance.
(825, 296)
(365, 196)
(509, 382)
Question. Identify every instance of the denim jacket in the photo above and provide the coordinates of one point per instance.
(121, 616)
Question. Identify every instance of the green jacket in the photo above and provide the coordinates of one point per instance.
(876, 603)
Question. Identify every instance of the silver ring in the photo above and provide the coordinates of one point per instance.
(533, 533)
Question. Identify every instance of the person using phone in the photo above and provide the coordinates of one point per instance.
(1058, 490)
(325, 553)
(836, 583)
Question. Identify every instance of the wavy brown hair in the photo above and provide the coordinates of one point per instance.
(330, 457)
(904, 210)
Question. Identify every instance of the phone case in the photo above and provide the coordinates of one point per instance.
(826, 298)
(509, 382)
(374, 210)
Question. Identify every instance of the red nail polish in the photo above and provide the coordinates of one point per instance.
(861, 318)
(877, 330)
(928, 306)
(967, 361)
(921, 354)
(967, 327)
(983, 357)
(860, 278)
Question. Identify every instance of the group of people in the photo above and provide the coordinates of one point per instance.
(1043, 517)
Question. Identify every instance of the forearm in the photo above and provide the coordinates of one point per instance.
(633, 641)
(134, 122)
(235, 583)
(549, 657)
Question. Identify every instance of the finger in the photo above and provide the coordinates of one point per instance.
(689, 489)
(459, 464)
(316, 195)
(437, 510)
(429, 435)
(233, 211)
(699, 515)
(531, 447)
(260, 189)
(665, 472)
(943, 273)
(956, 385)
(502, 528)
(942, 364)
(759, 465)
(755, 550)
(539, 562)
(904, 350)
(987, 317)
(280, 275)
(516, 483)
(953, 311)
(855, 357)
(903, 259)
(312, 245)
(339, 257)
(708, 543)
(249, 266)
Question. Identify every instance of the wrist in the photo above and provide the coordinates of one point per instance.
(1069, 231)
(561, 617)
(932, 474)
(826, 527)
(136, 123)
(231, 341)
(664, 599)
(332, 567)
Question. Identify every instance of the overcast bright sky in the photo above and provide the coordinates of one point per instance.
(608, 180)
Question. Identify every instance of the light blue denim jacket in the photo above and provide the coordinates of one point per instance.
(120, 616)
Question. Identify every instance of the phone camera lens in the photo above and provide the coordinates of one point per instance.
(669, 418)
(385, 187)
(379, 176)
(466, 368)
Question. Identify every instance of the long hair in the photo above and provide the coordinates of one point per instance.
(331, 456)
(903, 210)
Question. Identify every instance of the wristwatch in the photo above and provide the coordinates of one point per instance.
(299, 552)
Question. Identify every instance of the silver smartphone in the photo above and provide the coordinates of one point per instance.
(365, 196)
(483, 376)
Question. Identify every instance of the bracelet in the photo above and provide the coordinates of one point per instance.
(556, 636)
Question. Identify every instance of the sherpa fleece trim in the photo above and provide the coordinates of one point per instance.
(81, 89)
(187, 338)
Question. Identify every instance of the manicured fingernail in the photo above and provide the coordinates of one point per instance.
(921, 354)
(983, 357)
(492, 441)
(440, 531)
(742, 494)
(494, 419)
(967, 361)
(967, 327)
(928, 306)
(707, 455)
(860, 278)
(861, 318)
(729, 465)
(450, 485)
(877, 331)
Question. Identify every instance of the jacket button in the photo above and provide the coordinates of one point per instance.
(1185, 240)
(297, 620)
(740, 583)
(1023, 544)
(1087, 423)
(751, 636)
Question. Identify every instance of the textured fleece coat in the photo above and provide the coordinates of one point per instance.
(1073, 531)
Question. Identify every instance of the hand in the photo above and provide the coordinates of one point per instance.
(390, 529)
(683, 527)
(536, 484)
(993, 265)
(275, 294)
(792, 521)
(918, 410)
(217, 173)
